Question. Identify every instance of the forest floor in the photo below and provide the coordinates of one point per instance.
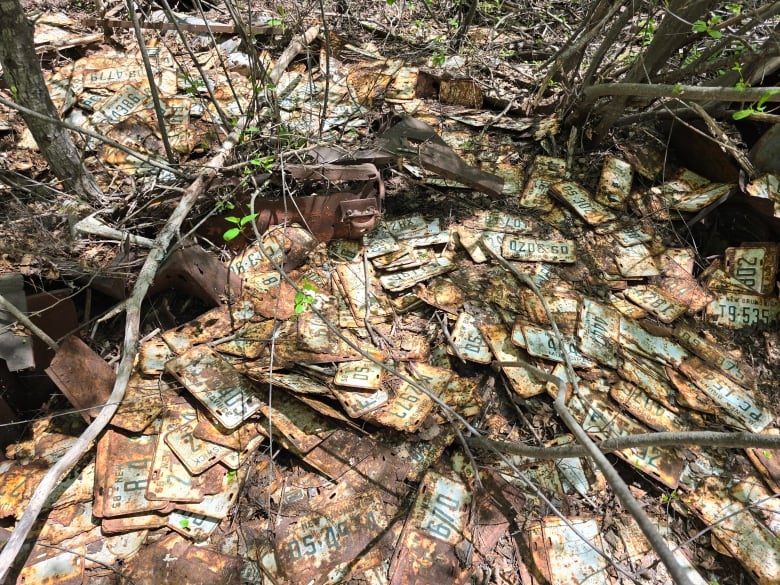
(349, 402)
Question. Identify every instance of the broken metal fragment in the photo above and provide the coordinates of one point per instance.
(567, 551)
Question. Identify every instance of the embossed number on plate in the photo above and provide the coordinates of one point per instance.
(532, 250)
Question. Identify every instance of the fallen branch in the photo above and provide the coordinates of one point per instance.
(688, 92)
(681, 439)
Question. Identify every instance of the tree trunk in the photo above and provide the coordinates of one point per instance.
(24, 77)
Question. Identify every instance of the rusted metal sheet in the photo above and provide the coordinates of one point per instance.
(697, 199)
(678, 280)
(15, 482)
(713, 354)
(639, 403)
(122, 468)
(16, 346)
(319, 547)
(143, 401)
(567, 553)
(599, 329)
(534, 250)
(358, 288)
(746, 538)
(227, 395)
(636, 261)
(655, 301)
(468, 342)
(500, 342)
(540, 342)
(192, 270)
(754, 265)
(398, 281)
(436, 524)
(637, 339)
(414, 139)
(176, 560)
(82, 376)
(498, 221)
(649, 376)
(736, 311)
(168, 479)
(197, 520)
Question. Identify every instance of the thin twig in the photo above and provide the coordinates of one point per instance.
(25, 320)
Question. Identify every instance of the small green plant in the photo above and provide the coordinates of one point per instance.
(231, 476)
(304, 297)
(646, 31)
(759, 106)
(741, 85)
(184, 522)
(734, 8)
(438, 58)
(666, 498)
(239, 222)
(266, 162)
(701, 26)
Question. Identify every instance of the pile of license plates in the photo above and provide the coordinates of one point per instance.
(341, 355)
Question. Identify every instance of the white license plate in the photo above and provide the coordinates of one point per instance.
(743, 310)
(582, 203)
(468, 341)
(653, 300)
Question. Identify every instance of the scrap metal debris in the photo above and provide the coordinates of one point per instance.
(325, 381)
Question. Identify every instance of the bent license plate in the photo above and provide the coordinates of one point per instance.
(229, 396)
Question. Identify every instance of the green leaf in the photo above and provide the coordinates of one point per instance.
(231, 234)
(699, 26)
(742, 114)
(715, 34)
(233, 219)
(274, 22)
(247, 218)
(765, 98)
